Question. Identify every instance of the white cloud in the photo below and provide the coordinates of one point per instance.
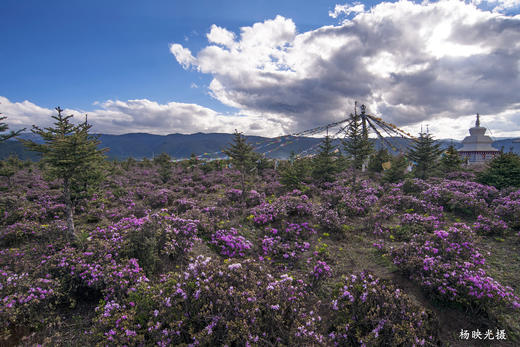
(183, 55)
(497, 5)
(221, 36)
(501, 125)
(23, 114)
(409, 62)
(347, 9)
(119, 117)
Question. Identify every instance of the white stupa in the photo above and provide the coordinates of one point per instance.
(477, 146)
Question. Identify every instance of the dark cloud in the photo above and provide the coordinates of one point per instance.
(408, 62)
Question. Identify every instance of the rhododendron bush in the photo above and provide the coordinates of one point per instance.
(213, 303)
(447, 264)
(373, 312)
(178, 254)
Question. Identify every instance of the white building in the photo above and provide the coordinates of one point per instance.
(477, 146)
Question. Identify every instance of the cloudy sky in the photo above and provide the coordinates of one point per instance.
(259, 66)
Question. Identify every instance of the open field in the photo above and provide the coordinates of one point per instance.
(185, 259)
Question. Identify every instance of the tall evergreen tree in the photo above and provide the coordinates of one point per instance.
(376, 160)
(4, 127)
(325, 166)
(242, 157)
(451, 160)
(502, 171)
(357, 144)
(425, 154)
(68, 152)
(164, 163)
(397, 171)
(293, 174)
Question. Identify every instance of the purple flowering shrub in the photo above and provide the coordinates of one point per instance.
(461, 197)
(330, 221)
(410, 224)
(395, 199)
(461, 176)
(86, 273)
(182, 205)
(286, 207)
(274, 247)
(254, 198)
(286, 243)
(147, 238)
(293, 231)
(448, 265)
(160, 198)
(35, 281)
(29, 197)
(414, 223)
(424, 222)
(487, 226)
(234, 195)
(351, 202)
(212, 303)
(508, 208)
(25, 300)
(251, 198)
(230, 243)
(368, 311)
(26, 230)
(320, 272)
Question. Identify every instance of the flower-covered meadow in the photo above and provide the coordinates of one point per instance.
(185, 257)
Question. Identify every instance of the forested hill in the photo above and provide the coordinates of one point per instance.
(178, 146)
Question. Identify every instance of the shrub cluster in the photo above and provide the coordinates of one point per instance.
(212, 303)
(368, 311)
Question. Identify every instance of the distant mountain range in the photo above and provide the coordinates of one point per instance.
(179, 146)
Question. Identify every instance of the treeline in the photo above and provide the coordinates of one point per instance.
(70, 154)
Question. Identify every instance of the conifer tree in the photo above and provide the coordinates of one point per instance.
(451, 161)
(68, 153)
(502, 171)
(294, 172)
(4, 127)
(397, 170)
(325, 166)
(242, 157)
(164, 161)
(356, 143)
(9, 166)
(376, 160)
(425, 154)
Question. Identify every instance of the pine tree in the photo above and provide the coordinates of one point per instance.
(397, 170)
(376, 161)
(164, 163)
(451, 160)
(502, 171)
(9, 166)
(425, 154)
(293, 174)
(242, 157)
(356, 143)
(325, 168)
(4, 127)
(69, 152)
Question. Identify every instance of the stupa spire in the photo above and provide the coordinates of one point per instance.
(477, 146)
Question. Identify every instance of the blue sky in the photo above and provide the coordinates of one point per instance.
(266, 67)
(79, 52)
